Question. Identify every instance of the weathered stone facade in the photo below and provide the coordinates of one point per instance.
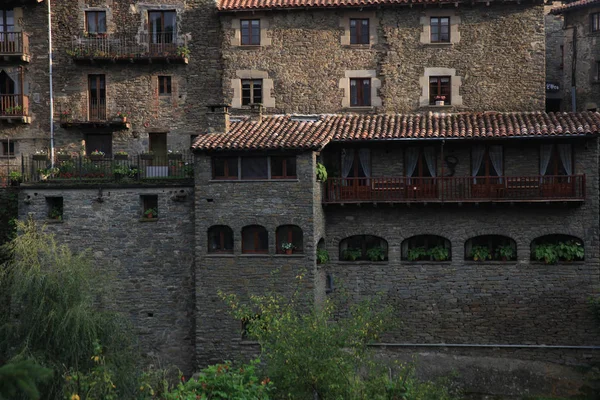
(302, 43)
(554, 59)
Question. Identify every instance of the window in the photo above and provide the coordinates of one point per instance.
(420, 162)
(553, 248)
(487, 161)
(8, 148)
(54, 206)
(7, 22)
(225, 167)
(255, 168)
(255, 239)
(556, 159)
(149, 206)
(426, 248)
(363, 247)
(289, 236)
(252, 91)
(97, 98)
(490, 247)
(220, 239)
(95, 22)
(439, 89)
(360, 92)
(99, 141)
(250, 32)
(164, 85)
(283, 167)
(440, 29)
(162, 26)
(595, 22)
(359, 31)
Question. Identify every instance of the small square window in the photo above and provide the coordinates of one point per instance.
(359, 31)
(440, 29)
(164, 85)
(149, 206)
(439, 90)
(252, 91)
(250, 32)
(8, 148)
(254, 168)
(595, 22)
(95, 22)
(283, 167)
(225, 168)
(54, 206)
(360, 92)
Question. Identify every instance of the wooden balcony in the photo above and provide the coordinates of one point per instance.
(506, 189)
(94, 115)
(14, 108)
(166, 48)
(14, 46)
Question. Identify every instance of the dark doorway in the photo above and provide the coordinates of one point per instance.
(553, 105)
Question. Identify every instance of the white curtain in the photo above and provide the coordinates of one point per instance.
(429, 153)
(496, 159)
(364, 156)
(566, 156)
(477, 154)
(412, 156)
(347, 162)
(15, 75)
(545, 154)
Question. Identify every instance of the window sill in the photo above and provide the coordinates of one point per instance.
(557, 263)
(444, 107)
(148, 219)
(358, 46)
(249, 46)
(491, 262)
(344, 262)
(256, 255)
(359, 109)
(442, 45)
(299, 255)
(220, 255)
(426, 262)
(4, 157)
(251, 180)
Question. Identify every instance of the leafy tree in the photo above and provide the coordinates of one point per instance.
(21, 378)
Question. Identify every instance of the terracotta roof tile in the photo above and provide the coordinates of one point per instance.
(240, 5)
(290, 132)
(574, 5)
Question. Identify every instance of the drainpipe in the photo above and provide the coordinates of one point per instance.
(574, 71)
(50, 55)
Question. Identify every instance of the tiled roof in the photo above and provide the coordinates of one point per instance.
(240, 5)
(288, 132)
(574, 5)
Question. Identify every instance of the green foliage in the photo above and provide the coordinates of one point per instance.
(15, 176)
(287, 246)
(417, 253)
(224, 381)
(546, 252)
(21, 378)
(151, 213)
(351, 254)
(321, 173)
(53, 316)
(480, 253)
(183, 51)
(551, 253)
(505, 252)
(96, 384)
(322, 256)
(56, 213)
(376, 254)
(439, 253)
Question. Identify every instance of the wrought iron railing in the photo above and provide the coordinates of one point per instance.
(454, 189)
(111, 47)
(117, 168)
(14, 43)
(14, 105)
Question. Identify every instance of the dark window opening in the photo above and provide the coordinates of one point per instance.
(363, 247)
(95, 22)
(490, 247)
(255, 239)
(487, 162)
(164, 85)
(560, 160)
(99, 141)
(426, 248)
(97, 98)
(7, 22)
(439, 89)
(420, 162)
(359, 31)
(440, 29)
(255, 168)
(553, 248)
(289, 237)
(252, 91)
(220, 239)
(250, 32)
(162, 26)
(8, 148)
(149, 206)
(360, 92)
(283, 167)
(55, 208)
(225, 168)
(595, 22)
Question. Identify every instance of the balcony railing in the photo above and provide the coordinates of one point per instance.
(455, 189)
(120, 169)
(94, 112)
(14, 44)
(166, 47)
(14, 105)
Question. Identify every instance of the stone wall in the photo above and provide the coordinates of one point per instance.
(554, 52)
(150, 264)
(499, 46)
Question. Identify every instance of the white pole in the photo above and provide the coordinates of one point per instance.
(50, 55)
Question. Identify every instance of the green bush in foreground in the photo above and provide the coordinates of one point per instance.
(21, 378)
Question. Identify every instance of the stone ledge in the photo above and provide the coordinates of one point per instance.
(251, 180)
(217, 255)
(149, 219)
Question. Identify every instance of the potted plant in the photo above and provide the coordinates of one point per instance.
(183, 51)
(15, 178)
(322, 256)
(121, 155)
(440, 100)
(55, 214)
(287, 247)
(97, 155)
(40, 155)
(376, 254)
(175, 155)
(122, 116)
(417, 254)
(546, 252)
(62, 155)
(439, 253)
(505, 252)
(480, 253)
(351, 254)
(151, 213)
(148, 155)
(569, 251)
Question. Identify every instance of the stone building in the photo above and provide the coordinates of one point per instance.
(581, 64)
(554, 59)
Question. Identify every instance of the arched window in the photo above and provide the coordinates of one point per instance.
(490, 247)
(220, 239)
(363, 247)
(255, 239)
(426, 248)
(553, 248)
(289, 237)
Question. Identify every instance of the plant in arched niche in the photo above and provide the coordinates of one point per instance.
(322, 256)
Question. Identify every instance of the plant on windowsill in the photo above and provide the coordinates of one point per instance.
(351, 254)
(546, 252)
(322, 256)
(121, 155)
(570, 251)
(183, 51)
(480, 253)
(15, 178)
(505, 253)
(439, 253)
(62, 155)
(122, 116)
(376, 254)
(174, 155)
(287, 247)
(40, 155)
(417, 254)
(151, 213)
(55, 214)
(148, 155)
(16, 110)
(440, 100)
(321, 173)
(97, 155)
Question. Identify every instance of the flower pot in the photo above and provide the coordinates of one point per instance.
(147, 156)
(289, 251)
(40, 157)
(439, 102)
(63, 157)
(121, 156)
(175, 156)
(96, 157)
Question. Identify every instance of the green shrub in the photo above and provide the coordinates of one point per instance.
(376, 254)
(439, 253)
(20, 378)
(505, 252)
(480, 253)
(417, 253)
(546, 252)
(321, 172)
(351, 254)
(322, 256)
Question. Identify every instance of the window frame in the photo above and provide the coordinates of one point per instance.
(256, 230)
(422, 164)
(439, 91)
(250, 38)
(165, 88)
(252, 98)
(5, 27)
(595, 22)
(364, 240)
(358, 36)
(8, 148)
(291, 229)
(160, 36)
(555, 162)
(227, 175)
(239, 172)
(96, 14)
(149, 201)
(492, 242)
(426, 238)
(222, 231)
(486, 165)
(439, 26)
(55, 202)
(284, 167)
(359, 100)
